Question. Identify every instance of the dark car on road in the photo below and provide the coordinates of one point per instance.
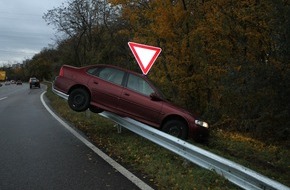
(18, 82)
(128, 94)
(34, 82)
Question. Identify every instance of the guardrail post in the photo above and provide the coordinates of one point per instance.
(88, 113)
(119, 127)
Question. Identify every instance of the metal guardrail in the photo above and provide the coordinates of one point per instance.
(237, 174)
(61, 94)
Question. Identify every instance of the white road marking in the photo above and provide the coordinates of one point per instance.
(138, 182)
(3, 98)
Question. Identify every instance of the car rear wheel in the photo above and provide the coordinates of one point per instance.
(176, 128)
(79, 100)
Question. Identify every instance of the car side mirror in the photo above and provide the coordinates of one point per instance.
(155, 97)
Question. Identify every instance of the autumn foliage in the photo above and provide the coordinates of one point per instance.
(226, 60)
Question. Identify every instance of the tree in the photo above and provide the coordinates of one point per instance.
(225, 59)
(42, 65)
(78, 20)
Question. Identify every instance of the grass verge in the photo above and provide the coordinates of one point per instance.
(166, 170)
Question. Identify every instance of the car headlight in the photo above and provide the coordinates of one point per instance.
(201, 123)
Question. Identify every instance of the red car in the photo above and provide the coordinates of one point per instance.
(128, 94)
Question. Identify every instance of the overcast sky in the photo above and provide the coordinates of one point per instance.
(23, 32)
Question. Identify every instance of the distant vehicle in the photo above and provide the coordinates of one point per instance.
(12, 82)
(128, 94)
(18, 82)
(34, 82)
(0, 84)
(2, 75)
(7, 82)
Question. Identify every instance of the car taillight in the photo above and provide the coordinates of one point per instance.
(61, 72)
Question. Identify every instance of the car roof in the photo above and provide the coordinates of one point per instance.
(117, 67)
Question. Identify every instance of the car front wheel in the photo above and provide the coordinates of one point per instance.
(79, 100)
(176, 128)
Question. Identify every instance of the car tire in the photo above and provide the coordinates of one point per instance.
(95, 109)
(176, 128)
(79, 100)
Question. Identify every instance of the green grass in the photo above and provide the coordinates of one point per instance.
(268, 159)
(166, 170)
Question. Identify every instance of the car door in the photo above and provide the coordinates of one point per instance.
(106, 87)
(135, 101)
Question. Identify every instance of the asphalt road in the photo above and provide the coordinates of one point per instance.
(37, 152)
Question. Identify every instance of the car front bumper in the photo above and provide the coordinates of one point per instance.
(201, 131)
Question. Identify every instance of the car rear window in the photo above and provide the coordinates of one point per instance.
(111, 75)
(92, 71)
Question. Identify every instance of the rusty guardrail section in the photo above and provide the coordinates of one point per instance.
(236, 173)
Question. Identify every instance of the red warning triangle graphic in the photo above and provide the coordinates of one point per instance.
(145, 55)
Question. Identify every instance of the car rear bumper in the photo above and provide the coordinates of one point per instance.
(59, 93)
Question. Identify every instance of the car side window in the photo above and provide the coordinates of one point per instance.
(111, 75)
(92, 71)
(139, 84)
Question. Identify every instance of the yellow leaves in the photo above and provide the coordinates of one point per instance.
(256, 145)
(118, 2)
(238, 68)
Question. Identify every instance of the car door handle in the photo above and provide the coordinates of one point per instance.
(126, 94)
(95, 82)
